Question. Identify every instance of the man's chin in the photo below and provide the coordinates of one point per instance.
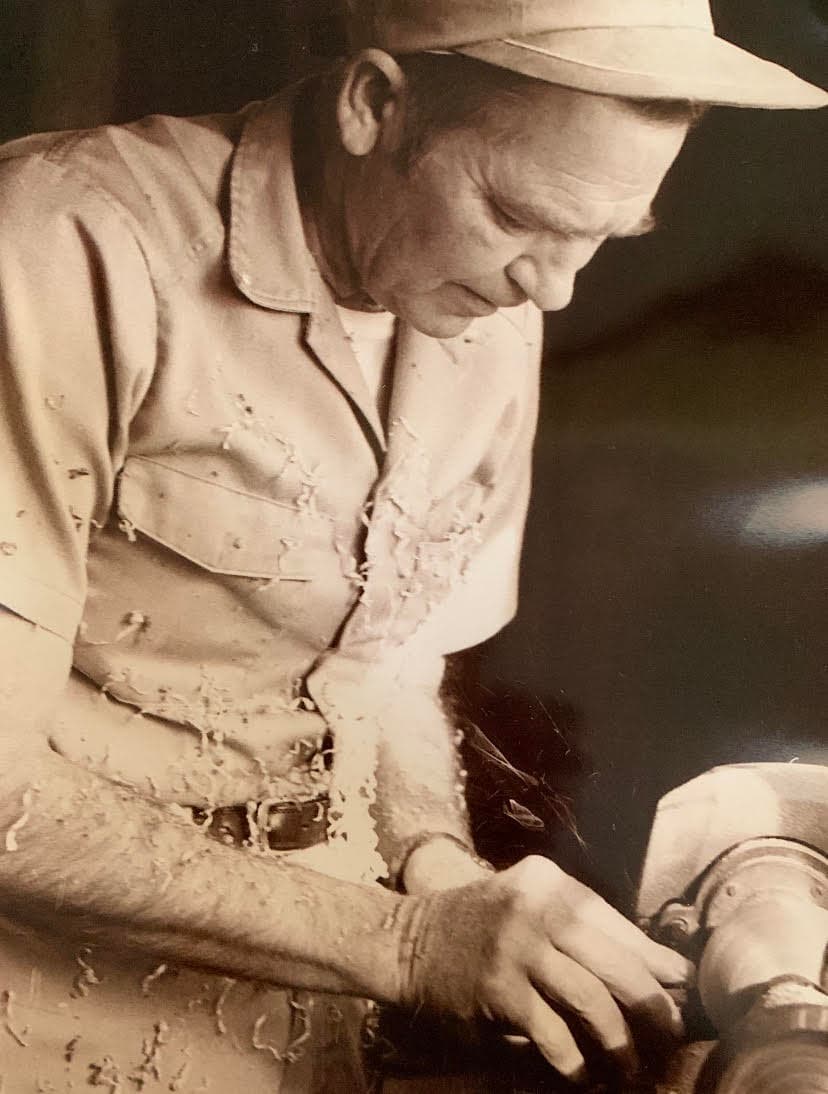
(435, 324)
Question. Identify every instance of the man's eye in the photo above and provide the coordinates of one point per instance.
(507, 221)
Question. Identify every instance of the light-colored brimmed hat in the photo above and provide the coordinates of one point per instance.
(647, 49)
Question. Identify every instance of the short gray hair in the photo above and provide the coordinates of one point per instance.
(450, 92)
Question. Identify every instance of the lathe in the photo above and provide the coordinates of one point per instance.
(736, 878)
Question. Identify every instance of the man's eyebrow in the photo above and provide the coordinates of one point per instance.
(540, 219)
(645, 225)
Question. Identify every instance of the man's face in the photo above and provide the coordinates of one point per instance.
(509, 211)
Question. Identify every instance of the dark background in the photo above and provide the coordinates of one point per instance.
(673, 608)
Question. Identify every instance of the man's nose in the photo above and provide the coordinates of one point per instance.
(546, 272)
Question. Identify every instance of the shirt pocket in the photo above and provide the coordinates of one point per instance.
(221, 529)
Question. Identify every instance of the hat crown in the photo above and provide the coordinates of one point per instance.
(409, 26)
(651, 49)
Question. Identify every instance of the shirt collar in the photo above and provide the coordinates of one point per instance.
(268, 257)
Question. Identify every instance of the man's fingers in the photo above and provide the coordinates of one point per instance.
(625, 975)
(567, 983)
(582, 908)
(552, 1038)
(667, 966)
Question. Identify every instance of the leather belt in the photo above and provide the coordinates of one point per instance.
(281, 826)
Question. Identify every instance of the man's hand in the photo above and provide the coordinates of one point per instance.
(533, 948)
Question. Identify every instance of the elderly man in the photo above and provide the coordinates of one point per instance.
(269, 387)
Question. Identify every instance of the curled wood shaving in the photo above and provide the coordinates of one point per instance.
(295, 1050)
(180, 1077)
(6, 1000)
(22, 820)
(227, 986)
(150, 979)
(149, 1068)
(106, 1073)
(86, 977)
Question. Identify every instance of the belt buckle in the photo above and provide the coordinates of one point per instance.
(294, 826)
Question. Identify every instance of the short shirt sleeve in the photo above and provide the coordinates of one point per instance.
(77, 348)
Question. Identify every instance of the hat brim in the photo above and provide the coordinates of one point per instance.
(652, 63)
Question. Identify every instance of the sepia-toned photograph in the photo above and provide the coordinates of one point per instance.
(413, 546)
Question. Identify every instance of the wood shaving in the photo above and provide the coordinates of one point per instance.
(22, 820)
(149, 980)
(301, 1013)
(264, 1046)
(128, 528)
(6, 1001)
(295, 1050)
(149, 1068)
(106, 1073)
(227, 986)
(180, 1077)
(134, 624)
(86, 977)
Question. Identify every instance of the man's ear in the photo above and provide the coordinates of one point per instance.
(371, 98)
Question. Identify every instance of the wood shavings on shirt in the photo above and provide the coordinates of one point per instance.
(128, 528)
(149, 1068)
(180, 1077)
(86, 977)
(106, 1074)
(150, 978)
(295, 1050)
(265, 1046)
(6, 1001)
(352, 834)
(21, 822)
(134, 623)
(228, 984)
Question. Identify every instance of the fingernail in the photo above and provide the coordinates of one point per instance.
(676, 1021)
(679, 971)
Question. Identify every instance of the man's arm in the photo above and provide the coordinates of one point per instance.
(79, 851)
(421, 794)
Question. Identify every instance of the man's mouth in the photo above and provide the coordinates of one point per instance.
(473, 304)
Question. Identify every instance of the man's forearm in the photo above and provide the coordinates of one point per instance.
(123, 870)
(420, 792)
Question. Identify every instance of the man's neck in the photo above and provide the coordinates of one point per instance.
(320, 184)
